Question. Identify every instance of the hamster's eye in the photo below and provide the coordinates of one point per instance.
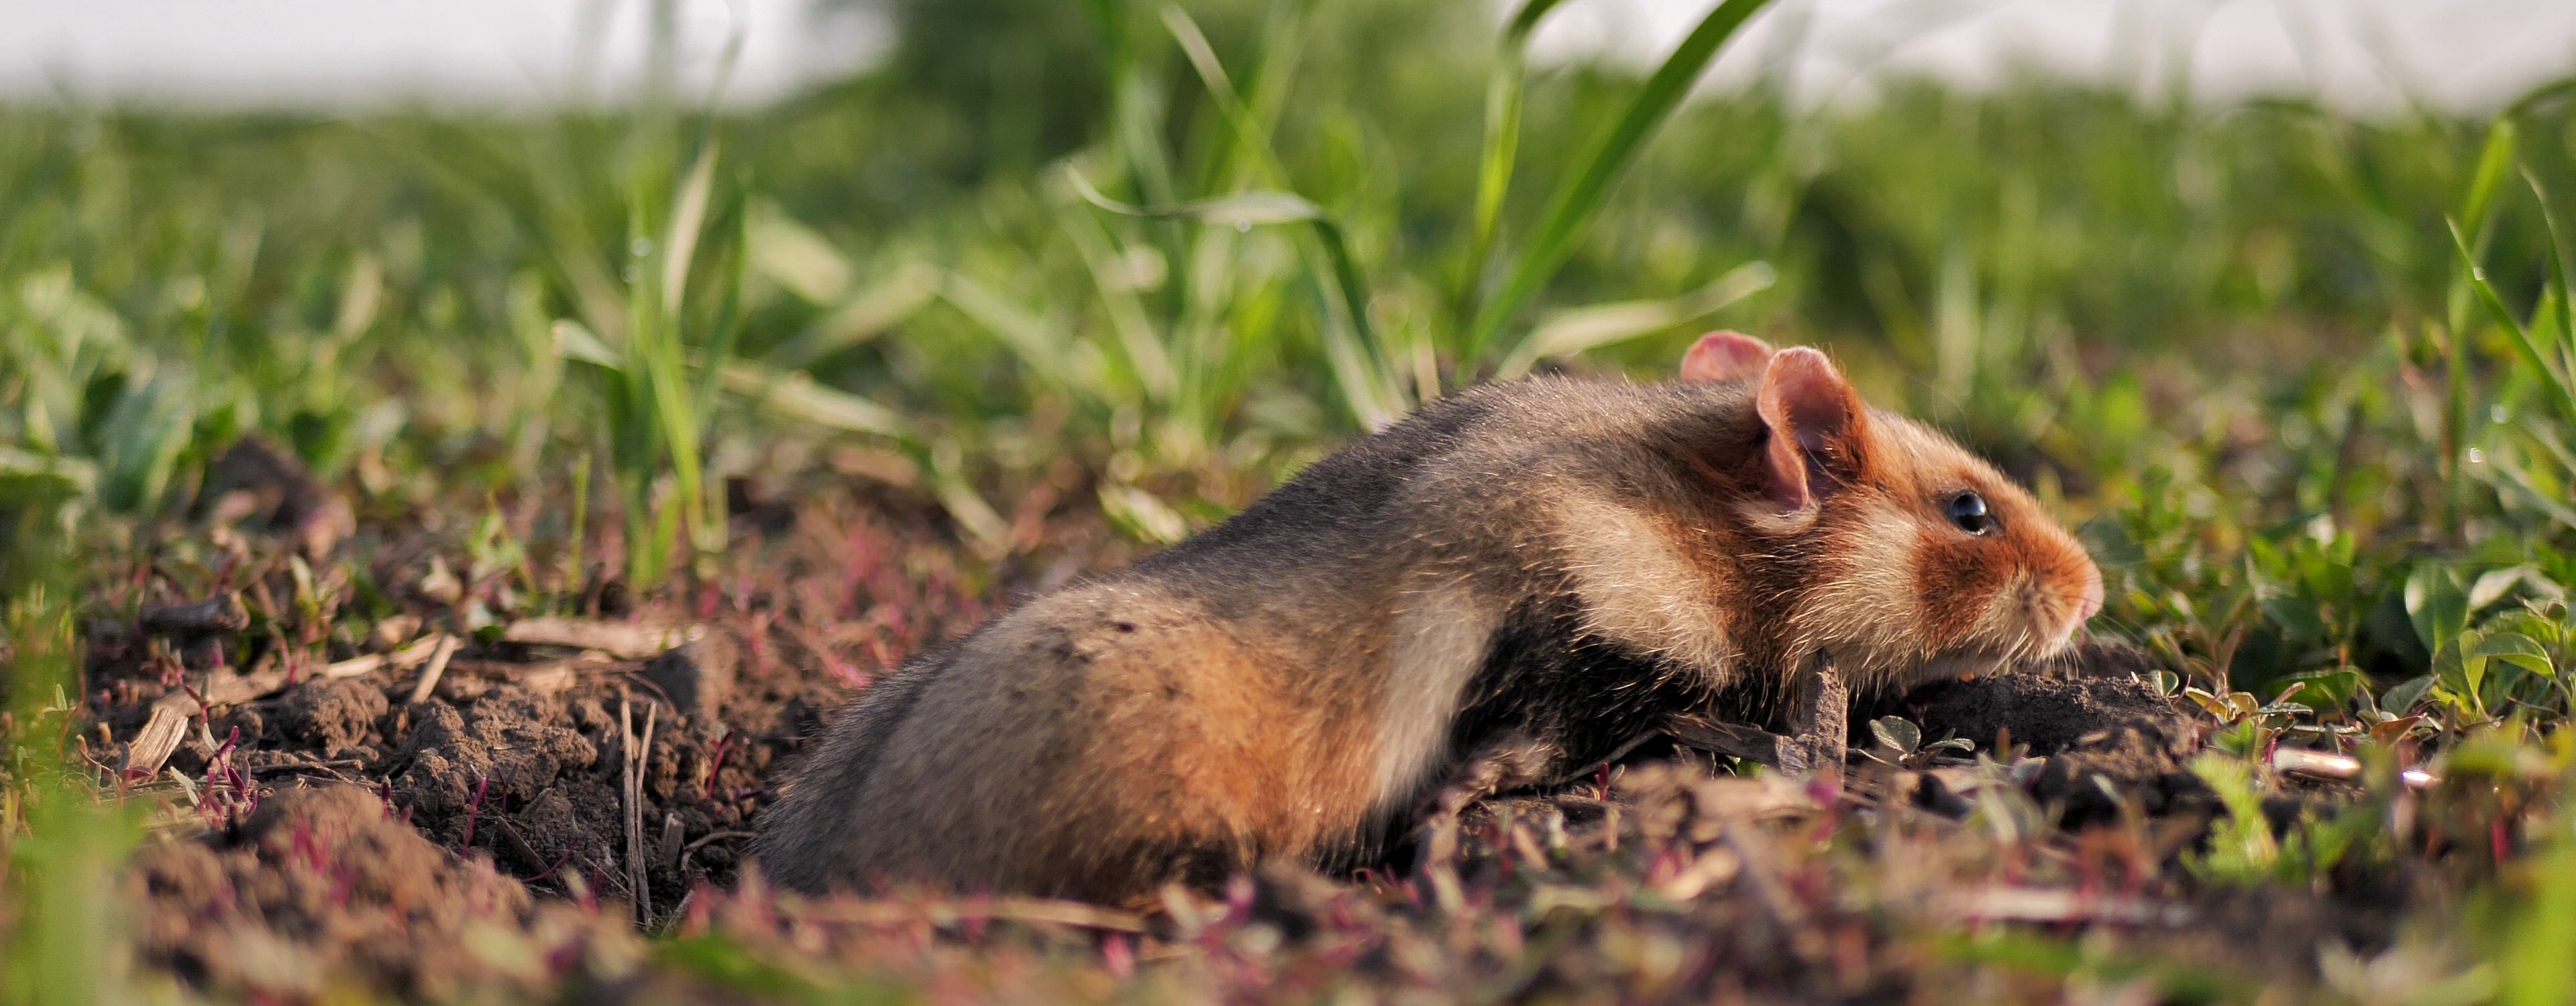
(1968, 510)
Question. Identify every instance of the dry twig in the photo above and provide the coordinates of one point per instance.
(429, 674)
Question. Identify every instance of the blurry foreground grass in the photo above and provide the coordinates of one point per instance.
(2304, 380)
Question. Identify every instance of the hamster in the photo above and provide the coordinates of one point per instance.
(1552, 563)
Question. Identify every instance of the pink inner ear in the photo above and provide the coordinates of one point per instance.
(1725, 356)
(1806, 403)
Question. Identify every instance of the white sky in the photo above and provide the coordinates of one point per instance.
(2368, 54)
(339, 52)
(2466, 55)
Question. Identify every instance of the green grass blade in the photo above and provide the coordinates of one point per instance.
(1374, 400)
(1136, 333)
(725, 331)
(2494, 159)
(1603, 324)
(575, 341)
(2560, 395)
(861, 317)
(688, 216)
(1581, 195)
(2558, 274)
(1245, 209)
(1503, 96)
(1027, 333)
(1250, 137)
(794, 395)
(1361, 366)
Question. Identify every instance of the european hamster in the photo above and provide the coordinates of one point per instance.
(1549, 562)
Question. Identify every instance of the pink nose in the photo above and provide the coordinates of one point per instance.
(2092, 597)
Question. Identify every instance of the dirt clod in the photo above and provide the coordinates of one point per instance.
(696, 677)
(333, 716)
(2093, 716)
(509, 739)
(220, 613)
(320, 884)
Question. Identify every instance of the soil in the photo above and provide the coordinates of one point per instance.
(521, 747)
(340, 828)
(324, 883)
(2105, 732)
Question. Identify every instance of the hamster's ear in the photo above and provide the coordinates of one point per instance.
(1725, 356)
(1810, 410)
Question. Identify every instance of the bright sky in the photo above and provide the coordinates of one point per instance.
(2467, 55)
(2461, 54)
(333, 52)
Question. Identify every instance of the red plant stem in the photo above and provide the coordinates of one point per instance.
(550, 871)
(474, 808)
(724, 746)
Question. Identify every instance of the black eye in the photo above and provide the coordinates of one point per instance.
(1968, 510)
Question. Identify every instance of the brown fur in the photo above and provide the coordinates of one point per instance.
(1533, 566)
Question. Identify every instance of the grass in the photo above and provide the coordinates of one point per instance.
(2306, 382)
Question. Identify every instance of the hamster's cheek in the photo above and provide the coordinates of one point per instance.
(1882, 547)
(1960, 581)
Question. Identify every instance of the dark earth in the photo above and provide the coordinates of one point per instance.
(340, 828)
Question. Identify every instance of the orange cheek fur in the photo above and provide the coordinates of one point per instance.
(1956, 577)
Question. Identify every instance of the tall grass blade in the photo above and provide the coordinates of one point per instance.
(860, 317)
(794, 395)
(1604, 324)
(1242, 209)
(575, 341)
(1360, 362)
(1136, 334)
(1352, 348)
(1027, 334)
(2495, 158)
(2552, 383)
(1581, 195)
(2558, 274)
(688, 216)
(790, 254)
(964, 505)
(1251, 136)
(1502, 135)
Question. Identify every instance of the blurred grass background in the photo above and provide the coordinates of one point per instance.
(1187, 250)
(2303, 379)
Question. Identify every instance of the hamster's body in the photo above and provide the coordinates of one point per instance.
(1550, 562)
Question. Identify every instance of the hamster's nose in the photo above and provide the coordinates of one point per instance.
(2092, 597)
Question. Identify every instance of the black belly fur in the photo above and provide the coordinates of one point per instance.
(1581, 696)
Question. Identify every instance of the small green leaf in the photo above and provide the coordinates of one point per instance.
(1894, 732)
(2405, 696)
(2437, 604)
(2516, 649)
(2492, 585)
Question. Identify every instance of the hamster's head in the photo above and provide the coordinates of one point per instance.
(1912, 560)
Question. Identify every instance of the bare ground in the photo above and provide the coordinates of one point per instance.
(327, 833)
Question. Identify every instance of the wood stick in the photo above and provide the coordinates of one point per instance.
(437, 666)
(402, 659)
(151, 747)
(638, 879)
(623, 640)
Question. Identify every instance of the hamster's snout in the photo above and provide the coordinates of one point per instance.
(2092, 603)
